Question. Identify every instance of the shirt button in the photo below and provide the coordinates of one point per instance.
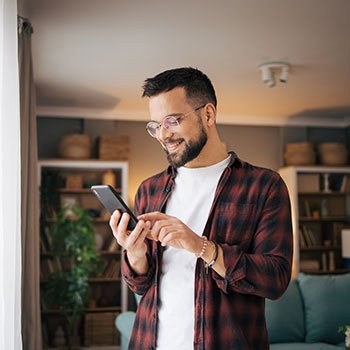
(150, 347)
(168, 189)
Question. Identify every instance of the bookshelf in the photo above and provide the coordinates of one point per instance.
(320, 200)
(108, 292)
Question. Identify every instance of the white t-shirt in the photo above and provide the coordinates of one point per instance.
(190, 202)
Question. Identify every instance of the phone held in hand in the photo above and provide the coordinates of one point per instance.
(112, 201)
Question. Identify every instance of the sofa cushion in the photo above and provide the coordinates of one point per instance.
(327, 306)
(285, 316)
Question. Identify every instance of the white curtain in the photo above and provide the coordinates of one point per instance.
(10, 193)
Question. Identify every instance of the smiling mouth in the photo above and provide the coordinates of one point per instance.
(172, 146)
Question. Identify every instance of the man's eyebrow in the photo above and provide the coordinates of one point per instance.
(169, 115)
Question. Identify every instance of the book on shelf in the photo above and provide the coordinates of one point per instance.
(309, 265)
(308, 237)
(46, 269)
(324, 261)
(314, 237)
(302, 239)
(345, 184)
(100, 329)
(45, 240)
(307, 208)
(112, 270)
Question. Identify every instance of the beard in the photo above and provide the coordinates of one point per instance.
(192, 149)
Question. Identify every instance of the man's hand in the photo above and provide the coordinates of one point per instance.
(173, 232)
(132, 241)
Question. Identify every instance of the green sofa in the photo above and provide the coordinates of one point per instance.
(309, 313)
(306, 317)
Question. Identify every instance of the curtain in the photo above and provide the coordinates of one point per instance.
(10, 190)
(31, 325)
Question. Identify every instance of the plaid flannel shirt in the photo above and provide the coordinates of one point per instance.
(250, 219)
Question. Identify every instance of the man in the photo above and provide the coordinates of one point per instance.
(214, 237)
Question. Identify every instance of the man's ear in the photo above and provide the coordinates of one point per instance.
(210, 114)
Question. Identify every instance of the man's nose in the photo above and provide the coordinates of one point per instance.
(164, 133)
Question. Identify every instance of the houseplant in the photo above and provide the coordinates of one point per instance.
(74, 245)
(346, 330)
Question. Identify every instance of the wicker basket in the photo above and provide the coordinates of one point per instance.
(112, 148)
(76, 146)
(332, 153)
(300, 153)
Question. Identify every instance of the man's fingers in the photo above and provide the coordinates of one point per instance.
(136, 233)
(156, 215)
(164, 231)
(113, 222)
(158, 227)
(168, 238)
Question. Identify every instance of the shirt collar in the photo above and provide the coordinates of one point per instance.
(234, 159)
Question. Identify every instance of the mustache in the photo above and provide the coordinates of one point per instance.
(165, 143)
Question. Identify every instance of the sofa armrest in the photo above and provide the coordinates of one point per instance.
(124, 323)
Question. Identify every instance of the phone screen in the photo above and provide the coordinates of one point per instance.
(112, 201)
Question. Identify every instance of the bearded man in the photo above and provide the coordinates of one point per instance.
(214, 237)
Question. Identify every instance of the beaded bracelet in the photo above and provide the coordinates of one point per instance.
(204, 248)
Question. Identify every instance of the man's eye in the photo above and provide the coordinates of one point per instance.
(155, 126)
(171, 121)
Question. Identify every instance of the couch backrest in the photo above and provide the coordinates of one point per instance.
(285, 316)
(311, 310)
(327, 306)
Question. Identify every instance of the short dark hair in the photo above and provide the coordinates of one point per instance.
(197, 85)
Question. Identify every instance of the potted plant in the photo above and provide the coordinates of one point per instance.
(74, 245)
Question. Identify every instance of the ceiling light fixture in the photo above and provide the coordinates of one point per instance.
(268, 72)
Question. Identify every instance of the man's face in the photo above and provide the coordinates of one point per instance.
(185, 142)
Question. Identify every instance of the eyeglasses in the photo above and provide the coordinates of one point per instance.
(170, 122)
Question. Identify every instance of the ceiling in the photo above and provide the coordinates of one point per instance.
(91, 57)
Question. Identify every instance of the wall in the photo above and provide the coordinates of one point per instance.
(23, 8)
(262, 146)
(258, 145)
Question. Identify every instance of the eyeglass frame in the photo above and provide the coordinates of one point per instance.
(168, 117)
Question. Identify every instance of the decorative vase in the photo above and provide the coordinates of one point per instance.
(108, 178)
(59, 337)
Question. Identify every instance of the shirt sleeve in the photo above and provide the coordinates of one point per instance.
(265, 271)
(139, 284)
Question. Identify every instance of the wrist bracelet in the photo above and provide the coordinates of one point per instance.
(204, 248)
(210, 265)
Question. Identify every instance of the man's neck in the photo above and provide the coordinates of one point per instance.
(210, 155)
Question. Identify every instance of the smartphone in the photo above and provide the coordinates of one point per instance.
(112, 201)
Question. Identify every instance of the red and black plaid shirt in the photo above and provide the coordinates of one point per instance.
(250, 219)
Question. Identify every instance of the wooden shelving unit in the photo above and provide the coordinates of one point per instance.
(320, 200)
(109, 286)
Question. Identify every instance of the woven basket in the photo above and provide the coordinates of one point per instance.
(112, 148)
(332, 153)
(300, 153)
(75, 146)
